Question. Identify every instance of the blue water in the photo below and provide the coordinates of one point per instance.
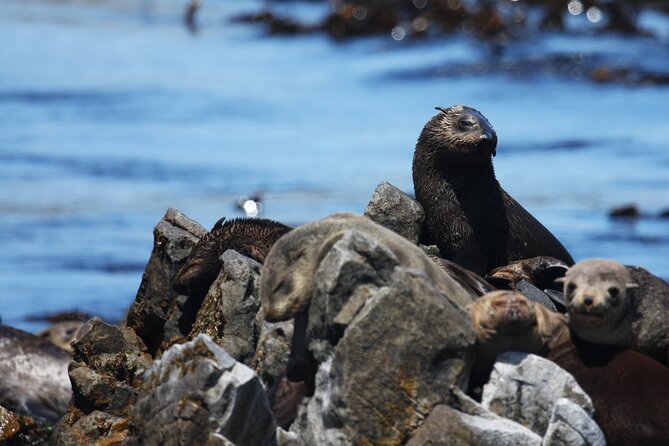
(111, 112)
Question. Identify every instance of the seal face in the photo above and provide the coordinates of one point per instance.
(508, 321)
(598, 301)
(472, 220)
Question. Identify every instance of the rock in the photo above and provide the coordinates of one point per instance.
(61, 333)
(229, 313)
(392, 208)
(389, 344)
(272, 352)
(21, 430)
(173, 238)
(627, 210)
(470, 425)
(525, 388)
(9, 424)
(99, 428)
(197, 394)
(33, 373)
(571, 425)
(106, 371)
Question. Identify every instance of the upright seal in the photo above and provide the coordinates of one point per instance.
(468, 215)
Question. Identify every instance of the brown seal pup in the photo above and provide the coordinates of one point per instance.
(252, 237)
(629, 390)
(611, 304)
(508, 321)
(468, 215)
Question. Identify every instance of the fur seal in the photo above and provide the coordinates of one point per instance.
(505, 321)
(468, 215)
(540, 271)
(252, 237)
(615, 305)
(287, 277)
(629, 390)
(34, 375)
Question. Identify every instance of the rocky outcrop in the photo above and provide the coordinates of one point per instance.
(197, 394)
(388, 342)
(229, 313)
(571, 424)
(526, 388)
(392, 208)
(107, 368)
(466, 423)
(173, 238)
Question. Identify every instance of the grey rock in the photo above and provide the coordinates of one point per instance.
(272, 352)
(392, 208)
(173, 238)
(525, 388)
(107, 368)
(197, 394)
(389, 343)
(469, 424)
(571, 425)
(229, 313)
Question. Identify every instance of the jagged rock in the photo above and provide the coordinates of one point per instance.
(229, 313)
(525, 388)
(571, 425)
(272, 353)
(107, 368)
(466, 423)
(197, 394)
(99, 428)
(9, 424)
(392, 208)
(389, 344)
(33, 375)
(173, 238)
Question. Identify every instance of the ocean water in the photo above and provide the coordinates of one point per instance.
(112, 111)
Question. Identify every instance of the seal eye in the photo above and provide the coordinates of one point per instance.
(466, 123)
(613, 291)
(571, 287)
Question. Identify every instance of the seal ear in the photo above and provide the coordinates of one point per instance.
(630, 286)
(494, 152)
(218, 224)
(441, 109)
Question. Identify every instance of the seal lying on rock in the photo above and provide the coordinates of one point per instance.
(614, 305)
(33, 375)
(508, 321)
(250, 237)
(468, 215)
(629, 390)
(287, 277)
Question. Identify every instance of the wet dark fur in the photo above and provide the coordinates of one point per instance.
(252, 237)
(540, 271)
(468, 215)
(629, 390)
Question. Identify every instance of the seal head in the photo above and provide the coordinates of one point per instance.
(598, 300)
(459, 135)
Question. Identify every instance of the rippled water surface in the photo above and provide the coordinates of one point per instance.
(111, 112)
